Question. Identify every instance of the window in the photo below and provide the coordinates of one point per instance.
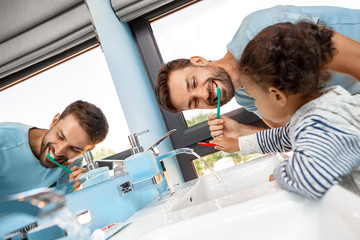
(36, 101)
(183, 41)
(155, 37)
(187, 28)
(221, 160)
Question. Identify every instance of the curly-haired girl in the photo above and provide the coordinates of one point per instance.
(284, 69)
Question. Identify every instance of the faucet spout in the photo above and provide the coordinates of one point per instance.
(44, 204)
(175, 152)
(37, 203)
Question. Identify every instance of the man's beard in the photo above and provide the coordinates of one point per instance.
(44, 161)
(228, 91)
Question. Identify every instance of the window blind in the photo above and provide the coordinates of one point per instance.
(32, 31)
(128, 10)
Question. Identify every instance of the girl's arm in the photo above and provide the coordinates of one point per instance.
(323, 154)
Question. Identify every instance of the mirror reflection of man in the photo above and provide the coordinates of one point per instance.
(191, 83)
(23, 149)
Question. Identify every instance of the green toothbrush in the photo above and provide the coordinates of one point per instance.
(61, 166)
(218, 94)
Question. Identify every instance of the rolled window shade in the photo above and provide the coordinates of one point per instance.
(128, 10)
(34, 30)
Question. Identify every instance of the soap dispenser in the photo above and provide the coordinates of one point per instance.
(141, 165)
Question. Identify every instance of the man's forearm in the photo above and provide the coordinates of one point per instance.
(347, 58)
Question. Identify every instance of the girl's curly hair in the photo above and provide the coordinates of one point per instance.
(291, 57)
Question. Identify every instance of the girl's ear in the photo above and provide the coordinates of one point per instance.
(55, 120)
(278, 96)
(199, 61)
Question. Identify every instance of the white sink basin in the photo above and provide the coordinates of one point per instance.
(280, 216)
(250, 208)
(237, 178)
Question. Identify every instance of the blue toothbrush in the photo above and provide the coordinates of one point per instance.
(218, 94)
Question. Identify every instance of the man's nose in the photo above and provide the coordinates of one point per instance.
(202, 93)
(59, 149)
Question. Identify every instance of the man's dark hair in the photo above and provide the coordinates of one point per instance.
(90, 118)
(291, 57)
(162, 92)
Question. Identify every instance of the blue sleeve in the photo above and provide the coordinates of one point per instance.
(246, 101)
(257, 21)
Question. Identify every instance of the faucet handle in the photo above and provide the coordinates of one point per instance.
(153, 147)
(155, 151)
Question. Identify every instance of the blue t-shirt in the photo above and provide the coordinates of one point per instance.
(341, 20)
(20, 170)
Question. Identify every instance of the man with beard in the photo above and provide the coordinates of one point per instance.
(23, 148)
(191, 83)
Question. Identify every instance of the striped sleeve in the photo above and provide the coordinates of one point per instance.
(323, 154)
(274, 140)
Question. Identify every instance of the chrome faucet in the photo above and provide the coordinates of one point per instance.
(156, 155)
(37, 203)
(88, 157)
(172, 153)
(136, 148)
(43, 203)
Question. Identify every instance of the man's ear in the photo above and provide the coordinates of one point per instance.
(55, 120)
(278, 96)
(199, 61)
(89, 147)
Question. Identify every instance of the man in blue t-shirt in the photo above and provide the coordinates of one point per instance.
(23, 149)
(191, 83)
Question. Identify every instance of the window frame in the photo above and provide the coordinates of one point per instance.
(48, 63)
(151, 58)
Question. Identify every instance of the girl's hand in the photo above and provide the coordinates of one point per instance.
(226, 144)
(271, 178)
